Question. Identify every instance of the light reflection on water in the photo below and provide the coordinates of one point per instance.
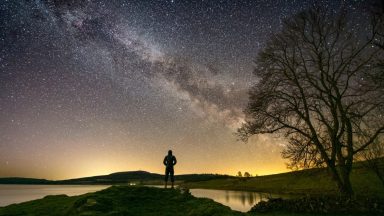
(237, 200)
(10, 194)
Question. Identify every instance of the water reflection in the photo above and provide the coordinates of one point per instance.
(237, 200)
(10, 194)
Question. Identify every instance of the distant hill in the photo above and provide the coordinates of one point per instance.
(114, 178)
(18, 180)
(138, 177)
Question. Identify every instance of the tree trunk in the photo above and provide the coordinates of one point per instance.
(346, 187)
(341, 178)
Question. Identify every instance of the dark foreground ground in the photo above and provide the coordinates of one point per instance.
(125, 200)
(121, 200)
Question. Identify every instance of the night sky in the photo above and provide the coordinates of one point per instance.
(95, 87)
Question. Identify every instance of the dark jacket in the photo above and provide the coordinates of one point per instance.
(169, 161)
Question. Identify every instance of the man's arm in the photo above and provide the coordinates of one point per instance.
(165, 161)
(174, 160)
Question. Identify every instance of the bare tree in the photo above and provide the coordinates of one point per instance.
(373, 155)
(317, 87)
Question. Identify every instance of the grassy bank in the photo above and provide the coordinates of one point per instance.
(312, 181)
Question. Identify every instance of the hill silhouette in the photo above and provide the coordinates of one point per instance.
(19, 180)
(137, 177)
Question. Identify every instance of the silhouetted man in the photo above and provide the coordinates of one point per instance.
(169, 161)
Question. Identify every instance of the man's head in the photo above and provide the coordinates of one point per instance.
(170, 152)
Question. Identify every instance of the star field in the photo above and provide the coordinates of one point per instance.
(95, 87)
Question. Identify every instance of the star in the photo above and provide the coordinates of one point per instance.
(125, 82)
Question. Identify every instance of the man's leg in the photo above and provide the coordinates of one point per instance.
(166, 177)
(172, 176)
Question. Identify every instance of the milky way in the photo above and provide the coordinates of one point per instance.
(94, 87)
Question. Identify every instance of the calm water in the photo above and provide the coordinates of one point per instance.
(236, 200)
(10, 194)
